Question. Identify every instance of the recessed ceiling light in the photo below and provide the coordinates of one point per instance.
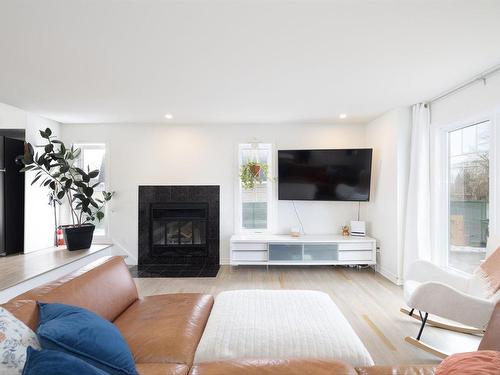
(342, 116)
(169, 116)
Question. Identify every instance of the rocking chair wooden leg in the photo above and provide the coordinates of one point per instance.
(421, 345)
(449, 327)
(427, 348)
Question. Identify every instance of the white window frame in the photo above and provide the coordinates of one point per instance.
(106, 238)
(440, 180)
(271, 190)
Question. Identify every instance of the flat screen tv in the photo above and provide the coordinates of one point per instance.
(324, 175)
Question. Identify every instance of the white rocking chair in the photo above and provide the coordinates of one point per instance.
(430, 289)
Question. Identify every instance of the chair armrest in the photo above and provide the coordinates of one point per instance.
(442, 300)
(423, 271)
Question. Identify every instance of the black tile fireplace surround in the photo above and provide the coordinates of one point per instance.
(178, 231)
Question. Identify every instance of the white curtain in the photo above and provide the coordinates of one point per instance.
(417, 236)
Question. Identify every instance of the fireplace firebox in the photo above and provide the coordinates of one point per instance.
(179, 229)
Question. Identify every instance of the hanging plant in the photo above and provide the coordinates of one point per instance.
(252, 173)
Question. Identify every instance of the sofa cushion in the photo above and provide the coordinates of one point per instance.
(484, 362)
(162, 369)
(86, 335)
(24, 310)
(165, 328)
(15, 338)
(57, 363)
(273, 367)
(104, 287)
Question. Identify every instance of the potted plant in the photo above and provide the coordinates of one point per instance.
(55, 168)
(253, 172)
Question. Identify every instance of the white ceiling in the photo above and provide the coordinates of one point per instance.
(238, 61)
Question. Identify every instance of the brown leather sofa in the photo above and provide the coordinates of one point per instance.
(163, 331)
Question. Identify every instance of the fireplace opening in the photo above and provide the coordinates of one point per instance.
(179, 229)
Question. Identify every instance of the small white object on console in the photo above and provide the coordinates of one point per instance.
(275, 249)
(358, 228)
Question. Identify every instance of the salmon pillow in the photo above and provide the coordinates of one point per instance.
(489, 271)
(484, 362)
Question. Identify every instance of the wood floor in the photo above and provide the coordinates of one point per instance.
(369, 301)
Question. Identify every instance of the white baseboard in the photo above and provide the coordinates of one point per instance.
(120, 250)
(389, 275)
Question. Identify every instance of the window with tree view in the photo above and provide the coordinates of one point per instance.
(92, 157)
(468, 197)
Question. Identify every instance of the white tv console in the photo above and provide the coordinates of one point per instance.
(271, 249)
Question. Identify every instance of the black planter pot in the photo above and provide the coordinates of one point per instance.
(78, 237)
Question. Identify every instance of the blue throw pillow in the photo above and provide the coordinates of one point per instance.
(51, 362)
(82, 333)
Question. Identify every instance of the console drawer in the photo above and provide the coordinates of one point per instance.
(355, 246)
(355, 255)
(250, 256)
(249, 246)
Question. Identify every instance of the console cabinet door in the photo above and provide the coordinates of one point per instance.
(282, 252)
(323, 252)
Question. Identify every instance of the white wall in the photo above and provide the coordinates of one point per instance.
(169, 154)
(469, 103)
(12, 117)
(389, 136)
(38, 220)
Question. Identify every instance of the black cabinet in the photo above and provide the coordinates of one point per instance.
(11, 197)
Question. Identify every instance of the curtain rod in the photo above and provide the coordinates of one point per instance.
(478, 78)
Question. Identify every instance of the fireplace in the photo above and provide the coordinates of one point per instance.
(178, 231)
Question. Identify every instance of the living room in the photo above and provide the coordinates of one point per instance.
(252, 164)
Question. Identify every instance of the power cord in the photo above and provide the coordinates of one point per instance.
(298, 218)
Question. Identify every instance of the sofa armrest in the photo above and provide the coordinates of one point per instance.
(104, 287)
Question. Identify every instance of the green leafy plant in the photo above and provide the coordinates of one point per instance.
(252, 173)
(55, 169)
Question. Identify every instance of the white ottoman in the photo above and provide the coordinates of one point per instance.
(279, 324)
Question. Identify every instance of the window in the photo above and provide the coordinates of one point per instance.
(255, 205)
(468, 190)
(92, 157)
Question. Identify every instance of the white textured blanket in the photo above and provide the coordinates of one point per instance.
(279, 324)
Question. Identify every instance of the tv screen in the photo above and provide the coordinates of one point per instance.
(324, 175)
